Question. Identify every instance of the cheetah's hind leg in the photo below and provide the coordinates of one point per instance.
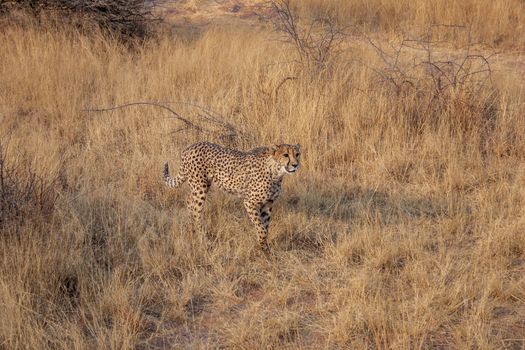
(195, 203)
(173, 182)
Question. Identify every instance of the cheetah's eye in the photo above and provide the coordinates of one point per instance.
(286, 155)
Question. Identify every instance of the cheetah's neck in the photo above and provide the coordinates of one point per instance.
(277, 170)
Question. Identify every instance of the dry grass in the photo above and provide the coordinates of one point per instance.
(403, 229)
(496, 23)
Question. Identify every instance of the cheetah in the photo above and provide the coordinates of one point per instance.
(256, 176)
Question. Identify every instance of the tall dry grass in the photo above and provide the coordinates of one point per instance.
(403, 229)
(495, 23)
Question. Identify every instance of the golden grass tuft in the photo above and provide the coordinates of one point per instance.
(403, 228)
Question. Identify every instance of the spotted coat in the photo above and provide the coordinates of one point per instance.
(256, 176)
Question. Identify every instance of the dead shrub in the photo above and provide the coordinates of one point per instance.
(24, 194)
(428, 85)
(125, 19)
(315, 42)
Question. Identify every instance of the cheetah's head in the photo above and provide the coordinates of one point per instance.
(288, 157)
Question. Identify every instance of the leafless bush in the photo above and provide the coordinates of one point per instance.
(125, 18)
(428, 82)
(315, 42)
(23, 193)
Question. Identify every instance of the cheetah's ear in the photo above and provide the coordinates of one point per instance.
(274, 148)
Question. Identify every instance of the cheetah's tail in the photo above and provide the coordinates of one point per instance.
(172, 181)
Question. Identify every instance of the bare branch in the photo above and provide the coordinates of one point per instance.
(316, 42)
(210, 116)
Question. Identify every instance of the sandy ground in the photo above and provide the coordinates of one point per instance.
(204, 12)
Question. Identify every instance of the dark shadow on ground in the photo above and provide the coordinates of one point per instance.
(329, 214)
(359, 203)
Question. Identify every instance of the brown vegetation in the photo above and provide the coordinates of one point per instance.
(403, 228)
(494, 23)
(126, 19)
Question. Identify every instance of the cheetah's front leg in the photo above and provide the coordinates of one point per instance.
(255, 213)
(266, 214)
